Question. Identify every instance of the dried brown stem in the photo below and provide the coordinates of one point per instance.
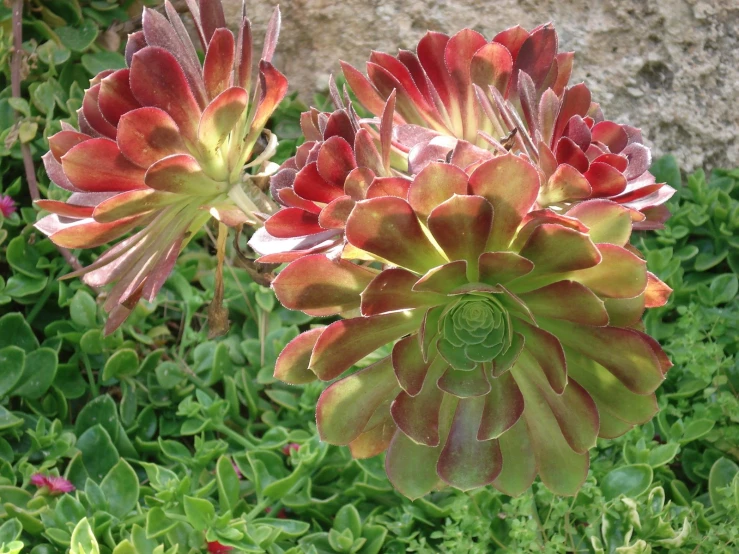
(15, 86)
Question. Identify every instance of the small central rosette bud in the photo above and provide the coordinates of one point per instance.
(473, 330)
(513, 332)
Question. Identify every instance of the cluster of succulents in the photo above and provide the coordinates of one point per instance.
(475, 231)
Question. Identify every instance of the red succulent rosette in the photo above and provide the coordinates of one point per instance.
(344, 160)
(163, 145)
(512, 94)
(513, 332)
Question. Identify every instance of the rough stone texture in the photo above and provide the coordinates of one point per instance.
(670, 67)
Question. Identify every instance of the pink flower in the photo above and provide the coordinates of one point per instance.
(7, 206)
(215, 547)
(56, 485)
(293, 446)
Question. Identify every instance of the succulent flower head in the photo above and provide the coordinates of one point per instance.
(7, 206)
(512, 94)
(163, 145)
(55, 485)
(513, 331)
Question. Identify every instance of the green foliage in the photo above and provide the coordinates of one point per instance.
(173, 440)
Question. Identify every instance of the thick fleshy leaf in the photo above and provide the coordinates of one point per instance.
(367, 155)
(211, 17)
(157, 80)
(608, 222)
(623, 352)
(536, 54)
(319, 286)
(387, 227)
(85, 233)
(567, 300)
(345, 342)
(376, 437)
(605, 179)
(611, 134)
(65, 209)
(610, 394)
(519, 462)
(134, 202)
(625, 312)
(182, 174)
(443, 279)
(569, 153)
(172, 37)
(309, 184)
(657, 292)
(579, 132)
(576, 101)
(116, 97)
(97, 165)
(505, 361)
(566, 183)
(220, 117)
(418, 416)
(219, 62)
(335, 160)
(392, 290)
(436, 183)
(503, 407)
(547, 352)
(147, 135)
(574, 409)
(561, 469)
(292, 364)
(492, 65)
(361, 86)
(465, 462)
(556, 249)
(345, 407)
(409, 365)
(537, 218)
(293, 222)
(502, 267)
(389, 186)
(620, 274)
(93, 115)
(461, 226)
(511, 185)
(136, 41)
(242, 71)
(63, 141)
(464, 384)
(273, 86)
(336, 212)
(411, 467)
(270, 37)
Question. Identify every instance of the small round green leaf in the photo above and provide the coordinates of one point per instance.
(630, 481)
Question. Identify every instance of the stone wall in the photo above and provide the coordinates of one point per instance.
(670, 67)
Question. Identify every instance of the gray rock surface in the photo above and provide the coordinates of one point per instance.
(670, 67)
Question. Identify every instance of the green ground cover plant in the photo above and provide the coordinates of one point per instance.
(158, 438)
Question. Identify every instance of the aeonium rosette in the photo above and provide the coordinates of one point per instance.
(511, 94)
(343, 160)
(163, 145)
(514, 333)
